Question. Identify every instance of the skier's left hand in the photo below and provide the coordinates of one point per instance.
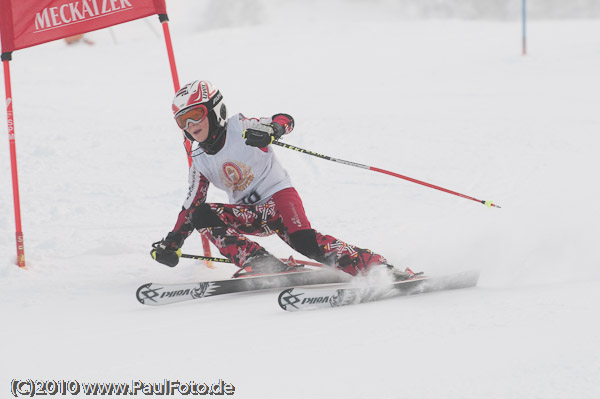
(264, 134)
(167, 251)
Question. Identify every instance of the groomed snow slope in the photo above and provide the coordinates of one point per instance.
(103, 175)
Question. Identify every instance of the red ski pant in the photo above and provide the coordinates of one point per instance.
(283, 214)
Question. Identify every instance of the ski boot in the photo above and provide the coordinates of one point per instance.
(399, 275)
(265, 263)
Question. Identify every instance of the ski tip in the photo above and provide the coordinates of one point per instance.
(142, 293)
(287, 300)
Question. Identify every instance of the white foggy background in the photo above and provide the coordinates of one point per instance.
(210, 14)
(449, 99)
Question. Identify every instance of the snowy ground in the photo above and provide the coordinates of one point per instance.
(103, 175)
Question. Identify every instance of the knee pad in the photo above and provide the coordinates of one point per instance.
(305, 242)
(204, 216)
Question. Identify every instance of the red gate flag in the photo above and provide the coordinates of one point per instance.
(26, 23)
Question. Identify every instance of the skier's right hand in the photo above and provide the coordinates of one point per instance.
(167, 251)
(262, 135)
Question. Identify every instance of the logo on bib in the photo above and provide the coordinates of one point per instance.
(236, 176)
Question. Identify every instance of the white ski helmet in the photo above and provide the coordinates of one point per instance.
(203, 99)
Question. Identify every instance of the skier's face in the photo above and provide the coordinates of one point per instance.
(199, 131)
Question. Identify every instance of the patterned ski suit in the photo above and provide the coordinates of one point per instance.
(262, 202)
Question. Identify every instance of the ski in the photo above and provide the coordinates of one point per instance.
(154, 294)
(295, 299)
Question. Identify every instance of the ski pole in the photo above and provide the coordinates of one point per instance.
(206, 258)
(225, 260)
(489, 204)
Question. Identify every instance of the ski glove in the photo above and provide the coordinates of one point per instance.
(167, 250)
(264, 134)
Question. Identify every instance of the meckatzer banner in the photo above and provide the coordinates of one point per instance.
(26, 23)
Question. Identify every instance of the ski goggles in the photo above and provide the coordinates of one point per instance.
(195, 114)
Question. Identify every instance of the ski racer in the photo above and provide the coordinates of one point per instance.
(234, 155)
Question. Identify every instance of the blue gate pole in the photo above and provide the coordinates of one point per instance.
(524, 18)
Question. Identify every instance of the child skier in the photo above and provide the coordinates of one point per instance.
(234, 155)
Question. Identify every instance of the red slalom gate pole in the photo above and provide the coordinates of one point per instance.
(164, 21)
(13, 160)
(387, 172)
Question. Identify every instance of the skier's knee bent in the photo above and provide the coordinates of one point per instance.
(305, 242)
(204, 216)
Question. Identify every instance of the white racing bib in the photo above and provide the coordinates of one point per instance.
(248, 175)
